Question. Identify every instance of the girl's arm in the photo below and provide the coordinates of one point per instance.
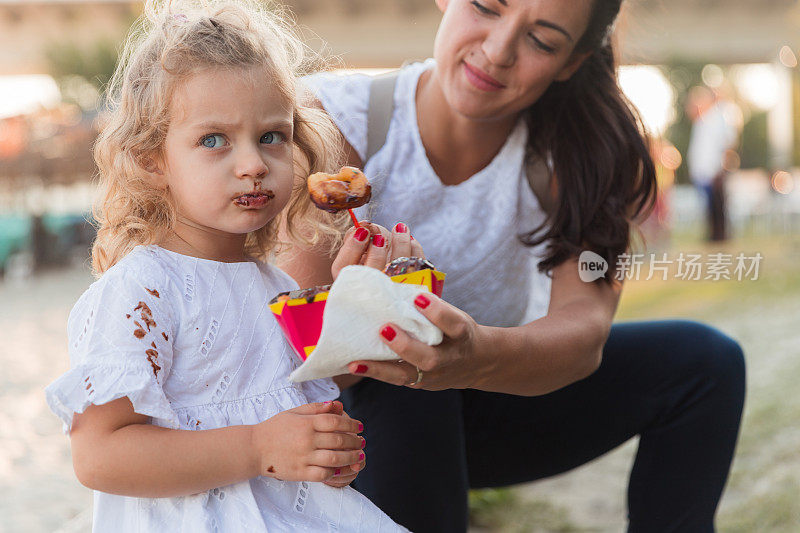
(537, 358)
(115, 450)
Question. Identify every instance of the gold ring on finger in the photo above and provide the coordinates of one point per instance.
(419, 378)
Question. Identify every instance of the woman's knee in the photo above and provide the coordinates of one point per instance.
(716, 354)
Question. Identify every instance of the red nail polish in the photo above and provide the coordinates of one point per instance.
(361, 428)
(360, 369)
(388, 333)
(361, 234)
(400, 228)
(363, 443)
(337, 471)
(361, 456)
(422, 301)
(378, 240)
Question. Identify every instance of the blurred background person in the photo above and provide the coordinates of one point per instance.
(713, 134)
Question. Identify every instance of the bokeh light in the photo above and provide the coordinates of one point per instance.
(758, 84)
(782, 182)
(670, 157)
(732, 161)
(20, 95)
(713, 76)
(651, 93)
(787, 57)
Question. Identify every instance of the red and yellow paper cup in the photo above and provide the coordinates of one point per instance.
(299, 313)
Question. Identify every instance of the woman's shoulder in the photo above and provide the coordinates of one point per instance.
(345, 96)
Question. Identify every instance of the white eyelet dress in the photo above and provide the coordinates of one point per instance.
(193, 345)
(467, 230)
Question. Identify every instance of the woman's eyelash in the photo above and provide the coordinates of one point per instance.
(544, 47)
(482, 9)
(486, 11)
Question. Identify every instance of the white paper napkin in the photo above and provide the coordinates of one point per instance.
(360, 302)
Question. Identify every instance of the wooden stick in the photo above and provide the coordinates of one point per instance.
(353, 216)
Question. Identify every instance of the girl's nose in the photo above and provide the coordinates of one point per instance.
(499, 48)
(251, 164)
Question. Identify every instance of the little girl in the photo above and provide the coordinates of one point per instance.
(178, 403)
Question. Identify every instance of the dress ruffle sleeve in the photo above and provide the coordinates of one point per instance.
(120, 344)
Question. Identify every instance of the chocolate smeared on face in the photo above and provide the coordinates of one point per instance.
(254, 198)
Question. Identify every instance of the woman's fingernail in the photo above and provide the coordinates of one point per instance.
(361, 234)
(388, 333)
(326, 403)
(337, 471)
(422, 301)
(360, 369)
(360, 427)
(378, 240)
(363, 443)
(401, 228)
(412, 237)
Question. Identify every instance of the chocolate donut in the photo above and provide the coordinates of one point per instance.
(308, 294)
(346, 190)
(406, 265)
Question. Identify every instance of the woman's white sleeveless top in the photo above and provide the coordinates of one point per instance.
(469, 230)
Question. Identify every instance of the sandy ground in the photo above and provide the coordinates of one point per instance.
(40, 492)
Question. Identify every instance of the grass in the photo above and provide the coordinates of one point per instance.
(763, 491)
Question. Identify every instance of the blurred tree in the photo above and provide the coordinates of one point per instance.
(754, 149)
(82, 73)
(95, 64)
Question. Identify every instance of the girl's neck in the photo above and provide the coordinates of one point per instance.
(456, 146)
(188, 239)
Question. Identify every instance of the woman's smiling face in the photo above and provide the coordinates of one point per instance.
(495, 58)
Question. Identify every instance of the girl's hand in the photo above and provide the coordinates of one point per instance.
(374, 246)
(348, 473)
(450, 365)
(313, 442)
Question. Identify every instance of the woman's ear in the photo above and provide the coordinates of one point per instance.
(442, 4)
(572, 66)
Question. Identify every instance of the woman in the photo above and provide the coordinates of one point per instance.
(522, 387)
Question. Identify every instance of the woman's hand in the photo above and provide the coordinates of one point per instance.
(374, 246)
(450, 365)
(312, 442)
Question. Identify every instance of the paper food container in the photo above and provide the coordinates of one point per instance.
(301, 318)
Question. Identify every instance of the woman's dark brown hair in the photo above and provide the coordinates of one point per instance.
(600, 159)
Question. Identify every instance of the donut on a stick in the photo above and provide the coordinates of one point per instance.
(348, 189)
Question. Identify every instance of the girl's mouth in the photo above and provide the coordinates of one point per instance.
(254, 199)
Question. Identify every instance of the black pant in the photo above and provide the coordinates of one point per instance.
(716, 211)
(678, 384)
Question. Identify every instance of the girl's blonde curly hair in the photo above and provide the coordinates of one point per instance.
(171, 41)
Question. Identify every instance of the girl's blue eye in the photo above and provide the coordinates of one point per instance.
(213, 141)
(273, 137)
